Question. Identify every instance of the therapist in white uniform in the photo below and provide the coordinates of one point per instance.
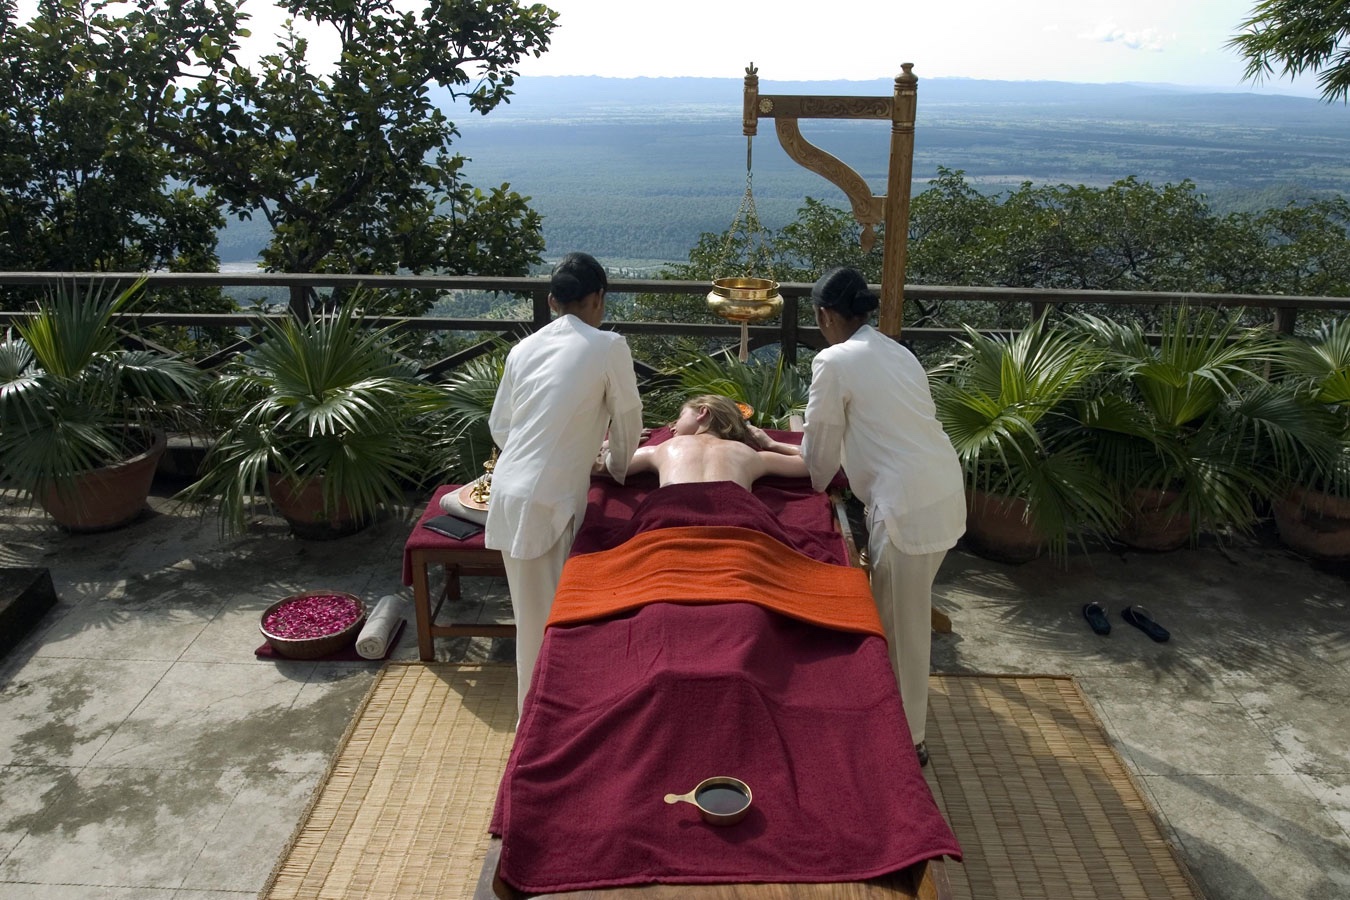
(562, 388)
(870, 409)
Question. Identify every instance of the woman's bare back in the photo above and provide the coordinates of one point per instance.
(692, 458)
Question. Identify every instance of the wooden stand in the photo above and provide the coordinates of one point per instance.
(891, 210)
(457, 563)
(459, 559)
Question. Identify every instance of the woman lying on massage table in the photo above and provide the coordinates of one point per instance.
(703, 628)
(713, 442)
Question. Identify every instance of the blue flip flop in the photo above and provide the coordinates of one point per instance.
(1095, 614)
(1143, 620)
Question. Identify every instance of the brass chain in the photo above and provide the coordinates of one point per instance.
(747, 222)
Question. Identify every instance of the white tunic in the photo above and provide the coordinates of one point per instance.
(871, 410)
(563, 386)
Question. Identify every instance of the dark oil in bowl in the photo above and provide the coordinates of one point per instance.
(721, 800)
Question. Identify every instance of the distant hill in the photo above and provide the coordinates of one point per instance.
(634, 170)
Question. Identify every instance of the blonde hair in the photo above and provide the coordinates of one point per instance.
(724, 417)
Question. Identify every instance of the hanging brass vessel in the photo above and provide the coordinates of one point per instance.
(744, 299)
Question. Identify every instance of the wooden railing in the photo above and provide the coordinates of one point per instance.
(786, 332)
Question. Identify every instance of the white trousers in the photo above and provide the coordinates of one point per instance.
(533, 582)
(902, 586)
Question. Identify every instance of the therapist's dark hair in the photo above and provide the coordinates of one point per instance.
(576, 277)
(844, 290)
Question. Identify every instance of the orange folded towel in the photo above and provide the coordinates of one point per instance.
(713, 564)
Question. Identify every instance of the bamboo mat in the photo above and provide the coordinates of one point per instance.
(1041, 803)
(404, 810)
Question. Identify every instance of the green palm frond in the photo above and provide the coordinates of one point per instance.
(73, 326)
(1034, 370)
(1123, 436)
(1322, 359)
(461, 437)
(995, 444)
(1205, 422)
(1285, 423)
(45, 458)
(1218, 492)
(471, 388)
(1009, 404)
(20, 383)
(1067, 496)
(1201, 358)
(775, 390)
(16, 357)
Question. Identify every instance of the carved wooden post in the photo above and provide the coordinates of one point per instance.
(895, 243)
(750, 109)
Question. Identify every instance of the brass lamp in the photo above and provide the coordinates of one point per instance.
(481, 491)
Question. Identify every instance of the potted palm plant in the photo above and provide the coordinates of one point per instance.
(323, 420)
(1311, 504)
(1190, 458)
(81, 417)
(1010, 405)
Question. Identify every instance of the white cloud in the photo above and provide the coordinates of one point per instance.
(1149, 39)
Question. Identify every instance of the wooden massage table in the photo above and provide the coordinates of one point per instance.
(705, 630)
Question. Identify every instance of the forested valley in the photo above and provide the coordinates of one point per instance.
(1127, 187)
(635, 171)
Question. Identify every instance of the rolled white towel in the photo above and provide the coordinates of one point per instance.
(450, 504)
(383, 621)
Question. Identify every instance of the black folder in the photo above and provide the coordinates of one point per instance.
(453, 526)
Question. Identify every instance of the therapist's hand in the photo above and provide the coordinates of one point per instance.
(764, 442)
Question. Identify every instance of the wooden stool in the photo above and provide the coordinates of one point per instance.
(467, 558)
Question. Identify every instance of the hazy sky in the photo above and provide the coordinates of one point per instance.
(1177, 41)
(1172, 41)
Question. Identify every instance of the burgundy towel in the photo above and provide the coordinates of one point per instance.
(786, 509)
(625, 710)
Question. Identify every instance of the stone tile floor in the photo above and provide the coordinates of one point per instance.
(145, 752)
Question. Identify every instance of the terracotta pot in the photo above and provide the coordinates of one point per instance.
(1314, 524)
(1152, 524)
(998, 528)
(107, 498)
(302, 508)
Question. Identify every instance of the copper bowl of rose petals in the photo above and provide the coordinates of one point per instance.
(313, 624)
